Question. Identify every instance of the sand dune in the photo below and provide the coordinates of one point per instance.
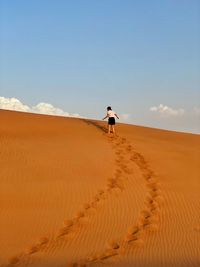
(72, 196)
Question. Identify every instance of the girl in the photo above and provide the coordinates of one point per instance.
(111, 119)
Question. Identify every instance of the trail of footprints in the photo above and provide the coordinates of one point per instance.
(149, 217)
(148, 221)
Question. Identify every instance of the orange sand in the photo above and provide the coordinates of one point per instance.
(72, 196)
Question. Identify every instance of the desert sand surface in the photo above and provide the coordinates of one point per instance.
(72, 196)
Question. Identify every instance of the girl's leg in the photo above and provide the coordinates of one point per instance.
(109, 126)
(113, 129)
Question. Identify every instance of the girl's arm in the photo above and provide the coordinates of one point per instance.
(105, 117)
(116, 115)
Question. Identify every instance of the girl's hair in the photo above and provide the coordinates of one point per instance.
(109, 108)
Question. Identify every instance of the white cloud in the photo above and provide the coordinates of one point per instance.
(167, 111)
(196, 111)
(13, 104)
(186, 120)
(41, 108)
(125, 116)
(46, 108)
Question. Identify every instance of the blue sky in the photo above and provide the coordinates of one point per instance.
(81, 56)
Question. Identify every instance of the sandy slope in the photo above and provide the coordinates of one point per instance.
(71, 196)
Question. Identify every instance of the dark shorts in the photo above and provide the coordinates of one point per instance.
(111, 121)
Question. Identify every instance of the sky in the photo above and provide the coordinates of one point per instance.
(141, 57)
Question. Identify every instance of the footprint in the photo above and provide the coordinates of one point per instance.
(128, 171)
(145, 214)
(129, 148)
(133, 230)
(33, 249)
(153, 205)
(101, 192)
(159, 199)
(154, 194)
(14, 260)
(73, 265)
(113, 245)
(68, 223)
(63, 231)
(79, 215)
(92, 258)
(153, 184)
(43, 241)
(108, 254)
(130, 238)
